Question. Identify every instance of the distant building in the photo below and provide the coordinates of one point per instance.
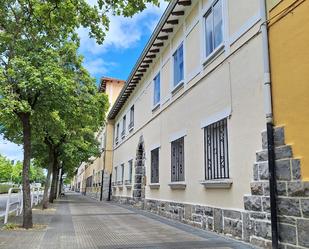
(91, 175)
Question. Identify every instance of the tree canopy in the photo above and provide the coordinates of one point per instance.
(45, 92)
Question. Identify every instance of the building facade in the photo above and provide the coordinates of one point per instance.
(93, 177)
(189, 140)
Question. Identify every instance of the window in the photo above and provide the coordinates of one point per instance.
(117, 133)
(214, 27)
(130, 171)
(123, 126)
(216, 150)
(155, 166)
(178, 65)
(116, 177)
(156, 90)
(178, 160)
(131, 125)
(89, 181)
(122, 173)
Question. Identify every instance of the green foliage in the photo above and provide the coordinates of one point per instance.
(4, 188)
(9, 171)
(5, 169)
(46, 95)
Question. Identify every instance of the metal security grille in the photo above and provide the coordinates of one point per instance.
(177, 173)
(155, 166)
(216, 150)
(130, 171)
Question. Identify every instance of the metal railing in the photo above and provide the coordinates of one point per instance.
(36, 193)
(18, 203)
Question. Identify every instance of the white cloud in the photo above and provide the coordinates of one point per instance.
(10, 150)
(98, 66)
(123, 32)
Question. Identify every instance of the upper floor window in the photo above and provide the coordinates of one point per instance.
(216, 150)
(123, 126)
(131, 125)
(178, 65)
(177, 160)
(117, 132)
(156, 90)
(214, 27)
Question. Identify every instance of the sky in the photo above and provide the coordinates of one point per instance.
(116, 57)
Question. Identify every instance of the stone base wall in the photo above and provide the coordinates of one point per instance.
(251, 224)
(95, 192)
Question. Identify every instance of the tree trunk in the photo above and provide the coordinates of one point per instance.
(53, 188)
(47, 184)
(27, 210)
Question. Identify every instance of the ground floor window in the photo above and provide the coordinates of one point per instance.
(216, 150)
(155, 166)
(177, 160)
(130, 171)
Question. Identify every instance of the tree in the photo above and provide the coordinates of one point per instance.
(31, 31)
(6, 169)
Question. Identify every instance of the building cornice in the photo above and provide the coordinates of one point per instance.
(170, 17)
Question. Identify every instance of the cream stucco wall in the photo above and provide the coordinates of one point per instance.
(105, 137)
(231, 81)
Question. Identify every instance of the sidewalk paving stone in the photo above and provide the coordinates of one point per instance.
(81, 223)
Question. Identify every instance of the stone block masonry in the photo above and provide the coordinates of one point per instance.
(252, 224)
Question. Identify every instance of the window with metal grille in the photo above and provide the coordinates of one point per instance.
(178, 164)
(130, 171)
(122, 173)
(216, 150)
(155, 166)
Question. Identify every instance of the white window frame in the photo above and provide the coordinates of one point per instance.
(130, 128)
(221, 47)
(181, 82)
(124, 123)
(156, 105)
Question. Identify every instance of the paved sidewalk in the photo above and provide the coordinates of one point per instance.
(82, 223)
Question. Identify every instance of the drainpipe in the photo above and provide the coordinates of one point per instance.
(270, 127)
(102, 181)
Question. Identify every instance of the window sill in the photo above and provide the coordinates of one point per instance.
(123, 136)
(213, 55)
(154, 185)
(178, 87)
(156, 107)
(131, 128)
(120, 186)
(177, 185)
(128, 186)
(219, 183)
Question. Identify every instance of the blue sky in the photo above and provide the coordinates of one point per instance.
(124, 43)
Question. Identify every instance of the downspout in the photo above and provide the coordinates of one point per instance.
(269, 127)
(102, 182)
